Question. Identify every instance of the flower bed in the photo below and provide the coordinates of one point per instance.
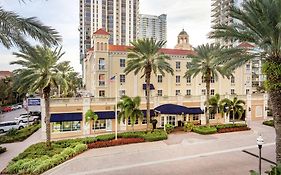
(235, 129)
(2, 150)
(120, 141)
(19, 135)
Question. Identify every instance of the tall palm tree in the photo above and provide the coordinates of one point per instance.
(64, 69)
(39, 73)
(216, 105)
(145, 56)
(259, 22)
(90, 115)
(235, 106)
(15, 29)
(209, 61)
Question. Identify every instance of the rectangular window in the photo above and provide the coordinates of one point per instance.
(122, 78)
(160, 92)
(232, 91)
(188, 79)
(136, 122)
(188, 92)
(171, 120)
(162, 121)
(195, 117)
(122, 93)
(144, 121)
(212, 80)
(212, 91)
(178, 79)
(160, 78)
(66, 126)
(101, 79)
(122, 62)
(102, 93)
(99, 124)
(178, 65)
(101, 64)
(178, 92)
(212, 116)
(203, 91)
(247, 91)
(232, 79)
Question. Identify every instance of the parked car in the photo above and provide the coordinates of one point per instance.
(35, 113)
(24, 118)
(16, 106)
(6, 126)
(6, 109)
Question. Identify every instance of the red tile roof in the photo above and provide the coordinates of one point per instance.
(246, 45)
(4, 74)
(122, 48)
(101, 32)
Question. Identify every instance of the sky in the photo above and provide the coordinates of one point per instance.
(63, 15)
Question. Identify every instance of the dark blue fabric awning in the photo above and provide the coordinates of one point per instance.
(172, 109)
(151, 87)
(195, 110)
(66, 117)
(105, 115)
(151, 113)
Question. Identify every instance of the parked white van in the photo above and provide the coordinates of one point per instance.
(5, 126)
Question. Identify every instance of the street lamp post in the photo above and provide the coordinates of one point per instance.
(260, 143)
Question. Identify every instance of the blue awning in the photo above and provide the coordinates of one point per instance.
(151, 113)
(172, 109)
(60, 117)
(105, 115)
(195, 110)
(151, 87)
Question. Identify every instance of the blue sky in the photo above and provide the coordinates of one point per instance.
(192, 15)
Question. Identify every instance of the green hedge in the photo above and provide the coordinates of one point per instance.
(169, 128)
(268, 123)
(157, 135)
(2, 150)
(19, 135)
(204, 130)
(230, 125)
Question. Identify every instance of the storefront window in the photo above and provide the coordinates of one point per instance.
(195, 117)
(171, 120)
(162, 121)
(66, 126)
(100, 124)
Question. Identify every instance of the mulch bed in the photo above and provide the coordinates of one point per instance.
(119, 141)
(224, 130)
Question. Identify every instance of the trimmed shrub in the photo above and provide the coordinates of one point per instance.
(204, 130)
(19, 135)
(105, 137)
(188, 127)
(232, 127)
(169, 128)
(120, 141)
(269, 123)
(2, 150)
(157, 135)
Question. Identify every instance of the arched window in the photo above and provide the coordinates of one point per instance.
(98, 46)
(105, 46)
(101, 46)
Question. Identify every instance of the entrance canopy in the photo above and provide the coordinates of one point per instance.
(177, 109)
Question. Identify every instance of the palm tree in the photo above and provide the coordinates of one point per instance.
(255, 23)
(65, 69)
(90, 115)
(209, 61)
(39, 73)
(145, 56)
(15, 29)
(216, 105)
(235, 106)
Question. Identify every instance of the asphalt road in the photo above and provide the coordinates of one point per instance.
(10, 116)
(183, 153)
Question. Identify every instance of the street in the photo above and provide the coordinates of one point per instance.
(10, 116)
(182, 153)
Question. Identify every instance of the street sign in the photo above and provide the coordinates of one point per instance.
(33, 102)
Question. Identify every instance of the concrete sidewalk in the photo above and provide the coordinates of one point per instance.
(13, 149)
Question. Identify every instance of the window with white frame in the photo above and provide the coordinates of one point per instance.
(188, 79)
(188, 92)
(160, 78)
(178, 65)
(101, 79)
(122, 62)
(162, 121)
(101, 93)
(122, 78)
(232, 79)
(195, 117)
(144, 121)
(232, 91)
(178, 79)
(101, 64)
(247, 91)
(178, 92)
(160, 92)
(212, 80)
(203, 91)
(171, 120)
(99, 124)
(212, 91)
(212, 116)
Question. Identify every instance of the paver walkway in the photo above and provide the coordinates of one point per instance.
(13, 149)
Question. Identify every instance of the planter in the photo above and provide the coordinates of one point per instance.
(224, 130)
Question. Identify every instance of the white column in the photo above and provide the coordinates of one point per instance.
(86, 107)
(249, 110)
(43, 119)
(202, 106)
(265, 105)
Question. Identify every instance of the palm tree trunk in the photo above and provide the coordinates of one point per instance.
(147, 78)
(208, 82)
(275, 97)
(46, 92)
